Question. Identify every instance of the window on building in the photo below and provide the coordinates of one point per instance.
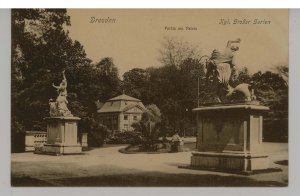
(125, 117)
(115, 120)
(134, 117)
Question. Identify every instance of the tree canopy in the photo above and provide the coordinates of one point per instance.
(42, 48)
(173, 87)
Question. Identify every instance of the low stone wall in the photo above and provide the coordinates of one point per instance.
(34, 139)
(37, 139)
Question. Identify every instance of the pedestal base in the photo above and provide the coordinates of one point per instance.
(230, 138)
(60, 149)
(229, 161)
(61, 136)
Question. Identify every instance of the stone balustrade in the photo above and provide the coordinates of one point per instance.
(34, 139)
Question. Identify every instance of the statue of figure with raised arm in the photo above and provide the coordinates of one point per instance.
(62, 88)
(219, 67)
(59, 107)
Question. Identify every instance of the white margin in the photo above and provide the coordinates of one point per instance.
(149, 4)
(294, 134)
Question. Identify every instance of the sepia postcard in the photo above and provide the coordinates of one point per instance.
(149, 97)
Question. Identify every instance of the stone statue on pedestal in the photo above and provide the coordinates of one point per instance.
(218, 70)
(59, 107)
(62, 133)
(230, 121)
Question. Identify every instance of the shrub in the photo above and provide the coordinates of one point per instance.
(17, 137)
(126, 137)
(97, 135)
(149, 127)
(275, 130)
(96, 131)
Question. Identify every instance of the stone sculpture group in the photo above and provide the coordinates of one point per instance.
(230, 121)
(218, 69)
(59, 107)
(62, 134)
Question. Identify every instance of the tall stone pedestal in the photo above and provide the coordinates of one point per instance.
(230, 138)
(62, 136)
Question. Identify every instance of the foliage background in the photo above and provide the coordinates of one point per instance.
(42, 48)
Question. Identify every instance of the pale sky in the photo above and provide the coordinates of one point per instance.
(135, 38)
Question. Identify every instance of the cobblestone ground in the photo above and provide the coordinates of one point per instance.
(108, 167)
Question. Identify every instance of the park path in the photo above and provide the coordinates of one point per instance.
(109, 161)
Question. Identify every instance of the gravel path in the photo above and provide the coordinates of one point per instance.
(102, 163)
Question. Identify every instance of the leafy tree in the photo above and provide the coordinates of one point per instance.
(92, 83)
(173, 86)
(283, 72)
(41, 49)
(107, 79)
(174, 91)
(136, 83)
(149, 126)
(96, 132)
(271, 89)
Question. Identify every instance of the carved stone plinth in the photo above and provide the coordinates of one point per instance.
(62, 136)
(230, 138)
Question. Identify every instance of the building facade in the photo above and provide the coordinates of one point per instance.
(119, 113)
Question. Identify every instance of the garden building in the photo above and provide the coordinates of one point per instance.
(119, 113)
